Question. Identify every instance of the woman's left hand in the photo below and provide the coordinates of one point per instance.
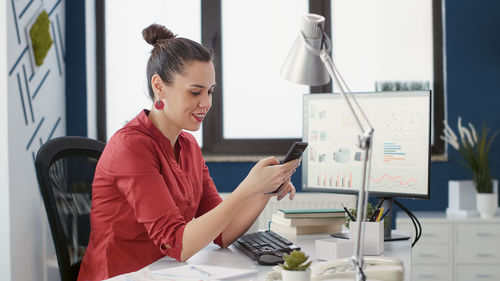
(285, 188)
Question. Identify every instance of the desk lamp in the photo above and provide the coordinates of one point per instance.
(309, 63)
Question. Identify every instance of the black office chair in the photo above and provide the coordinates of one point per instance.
(65, 169)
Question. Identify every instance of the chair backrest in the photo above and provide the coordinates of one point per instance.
(65, 169)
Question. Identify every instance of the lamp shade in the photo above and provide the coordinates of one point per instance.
(301, 65)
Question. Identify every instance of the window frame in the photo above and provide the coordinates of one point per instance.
(214, 143)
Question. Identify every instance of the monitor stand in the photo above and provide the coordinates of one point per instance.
(389, 234)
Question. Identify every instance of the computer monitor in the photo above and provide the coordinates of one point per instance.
(400, 145)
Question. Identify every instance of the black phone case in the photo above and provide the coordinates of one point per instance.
(295, 151)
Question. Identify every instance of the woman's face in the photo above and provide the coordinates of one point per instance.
(189, 98)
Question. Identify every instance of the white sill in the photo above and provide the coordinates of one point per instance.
(237, 158)
(256, 158)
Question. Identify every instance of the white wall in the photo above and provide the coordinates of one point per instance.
(5, 273)
(35, 113)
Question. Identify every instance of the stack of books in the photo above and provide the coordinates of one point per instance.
(315, 221)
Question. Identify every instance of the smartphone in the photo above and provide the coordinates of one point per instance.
(295, 151)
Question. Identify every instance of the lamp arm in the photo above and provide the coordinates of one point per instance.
(349, 93)
(357, 258)
(349, 98)
(365, 145)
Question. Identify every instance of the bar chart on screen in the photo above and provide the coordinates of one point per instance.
(337, 180)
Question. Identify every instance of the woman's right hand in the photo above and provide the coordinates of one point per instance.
(267, 175)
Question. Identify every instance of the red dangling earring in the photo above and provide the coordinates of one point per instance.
(159, 105)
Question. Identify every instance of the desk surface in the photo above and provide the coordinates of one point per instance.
(232, 257)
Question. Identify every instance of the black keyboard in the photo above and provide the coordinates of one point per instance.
(265, 247)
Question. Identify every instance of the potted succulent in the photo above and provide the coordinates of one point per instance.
(474, 147)
(295, 267)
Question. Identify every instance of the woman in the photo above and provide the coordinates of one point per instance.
(152, 193)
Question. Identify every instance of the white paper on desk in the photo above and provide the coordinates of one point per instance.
(216, 272)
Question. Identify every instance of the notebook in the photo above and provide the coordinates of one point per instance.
(310, 213)
(205, 272)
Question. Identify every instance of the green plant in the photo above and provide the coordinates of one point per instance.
(369, 212)
(295, 261)
(475, 150)
(40, 37)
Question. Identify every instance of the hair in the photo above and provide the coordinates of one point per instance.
(170, 54)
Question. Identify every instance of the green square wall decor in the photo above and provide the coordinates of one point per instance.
(40, 37)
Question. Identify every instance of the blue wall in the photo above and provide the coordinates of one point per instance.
(473, 92)
(76, 74)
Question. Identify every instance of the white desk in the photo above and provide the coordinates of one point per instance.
(232, 257)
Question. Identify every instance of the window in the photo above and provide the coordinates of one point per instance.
(221, 137)
(381, 51)
(268, 116)
(127, 53)
(254, 111)
(257, 102)
(400, 48)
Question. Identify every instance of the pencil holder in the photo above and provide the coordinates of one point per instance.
(374, 237)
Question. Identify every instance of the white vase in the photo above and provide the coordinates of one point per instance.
(462, 198)
(295, 275)
(487, 204)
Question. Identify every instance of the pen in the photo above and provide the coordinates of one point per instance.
(199, 270)
(375, 214)
(349, 213)
(379, 204)
(379, 215)
(385, 214)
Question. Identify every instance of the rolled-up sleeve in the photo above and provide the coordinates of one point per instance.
(210, 199)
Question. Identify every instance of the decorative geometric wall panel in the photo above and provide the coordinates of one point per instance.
(36, 113)
(34, 92)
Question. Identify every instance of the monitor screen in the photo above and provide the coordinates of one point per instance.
(400, 144)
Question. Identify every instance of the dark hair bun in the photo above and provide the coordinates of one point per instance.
(155, 32)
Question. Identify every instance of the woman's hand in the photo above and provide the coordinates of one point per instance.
(267, 175)
(286, 188)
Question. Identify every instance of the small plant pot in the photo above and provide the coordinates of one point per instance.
(296, 275)
(487, 204)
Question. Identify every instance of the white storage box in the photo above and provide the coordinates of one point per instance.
(334, 248)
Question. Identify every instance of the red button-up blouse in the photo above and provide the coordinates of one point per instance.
(142, 199)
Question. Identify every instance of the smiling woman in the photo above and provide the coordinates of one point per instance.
(173, 112)
(183, 104)
(152, 194)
